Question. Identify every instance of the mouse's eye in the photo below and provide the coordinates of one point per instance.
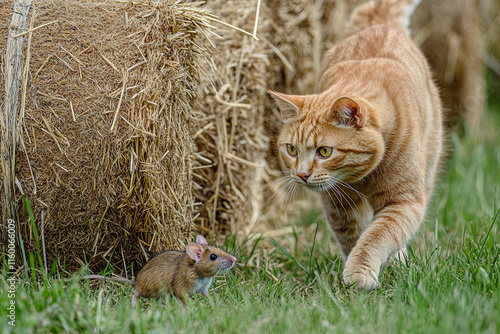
(213, 257)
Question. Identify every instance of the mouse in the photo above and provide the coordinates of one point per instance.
(177, 272)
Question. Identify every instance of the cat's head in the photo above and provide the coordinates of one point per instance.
(327, 140)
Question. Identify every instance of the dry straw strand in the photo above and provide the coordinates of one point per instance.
(124, 88)
(31, 29)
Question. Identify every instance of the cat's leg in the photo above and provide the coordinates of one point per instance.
(391, 229)
(347, 221)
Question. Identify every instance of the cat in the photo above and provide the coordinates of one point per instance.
(370, 141)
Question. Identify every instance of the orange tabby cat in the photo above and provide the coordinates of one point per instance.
(370, 141)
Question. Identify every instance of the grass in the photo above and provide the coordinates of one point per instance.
(292, 284)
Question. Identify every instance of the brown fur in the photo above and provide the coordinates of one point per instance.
(380, 112)
(177, 272)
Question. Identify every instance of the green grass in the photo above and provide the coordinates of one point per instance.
(291, 284)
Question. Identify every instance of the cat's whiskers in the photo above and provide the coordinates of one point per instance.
(281, 179)
(338, 190)
(284, 184)
(275, 181)
(287, 191)
(347, 185)
(278, 183)
(342, 192)
(293, 193)
(328, 189)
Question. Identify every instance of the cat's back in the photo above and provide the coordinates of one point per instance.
(379, 47)
(378, 41)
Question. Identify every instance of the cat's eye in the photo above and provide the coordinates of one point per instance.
(292, 150)
(325, 152)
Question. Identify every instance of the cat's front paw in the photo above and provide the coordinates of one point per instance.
(361, 277)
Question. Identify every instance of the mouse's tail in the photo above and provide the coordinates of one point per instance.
(114, 279)
(393, 13)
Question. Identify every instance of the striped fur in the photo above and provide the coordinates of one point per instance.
(380, 112)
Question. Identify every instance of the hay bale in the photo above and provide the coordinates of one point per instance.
(452, 37)
(491, 12)
(232, 137)
(303, 31)
(108, 126)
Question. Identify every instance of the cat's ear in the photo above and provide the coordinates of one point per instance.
(289, 105)
(347, 112)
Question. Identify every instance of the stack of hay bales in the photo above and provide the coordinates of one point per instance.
(111, 93)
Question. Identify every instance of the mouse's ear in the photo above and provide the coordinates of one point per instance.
(194, 251)
(200, 240)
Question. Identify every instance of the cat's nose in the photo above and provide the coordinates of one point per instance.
(304, 176)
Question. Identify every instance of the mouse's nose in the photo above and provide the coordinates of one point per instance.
(304, 176)
(232, 258)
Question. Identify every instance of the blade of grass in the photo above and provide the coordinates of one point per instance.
(312, 250)
(98, 315)
(33, 268)
(296, 237)
(21, 244)
(288, 255)
(32, 220)
(253, 250)
(488, 233)
(35, 233)
(43, 245)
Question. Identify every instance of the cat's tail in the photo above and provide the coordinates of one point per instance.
(394, 13)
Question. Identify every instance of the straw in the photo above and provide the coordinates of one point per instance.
(102, 181)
